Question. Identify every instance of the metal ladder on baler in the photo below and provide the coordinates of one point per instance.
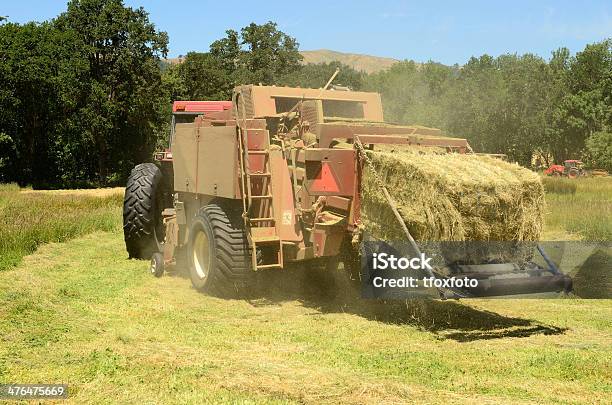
(258, 208)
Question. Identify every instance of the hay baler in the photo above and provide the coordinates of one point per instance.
(267, 186)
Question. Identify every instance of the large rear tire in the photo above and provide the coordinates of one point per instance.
(142, 206)
(218, 252)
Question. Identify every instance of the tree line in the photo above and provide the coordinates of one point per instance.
(520, 105)
(87, 95)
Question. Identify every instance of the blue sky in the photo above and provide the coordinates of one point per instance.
(445, 31)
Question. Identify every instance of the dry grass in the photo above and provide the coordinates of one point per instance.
(583, 214)
(30, 218)
(85, 192)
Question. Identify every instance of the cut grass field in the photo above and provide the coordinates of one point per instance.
(80, 313)
(578, 209)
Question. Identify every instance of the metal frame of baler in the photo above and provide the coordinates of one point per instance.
(373, 133)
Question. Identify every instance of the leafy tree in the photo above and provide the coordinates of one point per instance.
(518, 105)
(267, 53)
(520, 129)
(228, 52)
(202, 77)
(599, 146)
(256, 54)
(474, 104)
(316, 75)
(259, 54)
(396, 86)
(118, 100)
(7, 158)
(583, 105)
(38, 70)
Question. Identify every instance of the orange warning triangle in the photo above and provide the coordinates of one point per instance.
(325, 180)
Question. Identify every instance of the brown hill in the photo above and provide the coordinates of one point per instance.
(366, 63)
(174, 61)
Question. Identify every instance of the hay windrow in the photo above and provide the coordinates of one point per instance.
(451, 197)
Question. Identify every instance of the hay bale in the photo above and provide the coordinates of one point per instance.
(451, 197)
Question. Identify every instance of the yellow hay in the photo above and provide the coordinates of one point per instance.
(452, 197)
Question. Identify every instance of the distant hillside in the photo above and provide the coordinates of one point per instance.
(366, 63)
(174, 61)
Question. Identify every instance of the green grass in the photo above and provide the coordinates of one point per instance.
(587, 212)
(29, 219)
(559, 185)
(80, 313)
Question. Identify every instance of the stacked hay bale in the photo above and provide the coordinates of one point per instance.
(451, 197)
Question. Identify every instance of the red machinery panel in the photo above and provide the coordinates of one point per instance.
(330, 172)
(201, 106)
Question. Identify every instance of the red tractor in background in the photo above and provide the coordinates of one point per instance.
(570, 168)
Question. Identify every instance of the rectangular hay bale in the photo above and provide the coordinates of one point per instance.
(451, 197)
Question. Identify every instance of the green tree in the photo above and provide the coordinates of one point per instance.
(39, 69)
(584, 105)
(396, 86)
(316, 75)
(203, 77)
(413, 93)
(268, 54)
(8, 158)
(256, 54)
(599, 147)
(259, 54)
(522, 121)
(118, 106)
(514, 104)
(475, 103)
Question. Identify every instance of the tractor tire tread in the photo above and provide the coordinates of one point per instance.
(232, 253)
(138, 210)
